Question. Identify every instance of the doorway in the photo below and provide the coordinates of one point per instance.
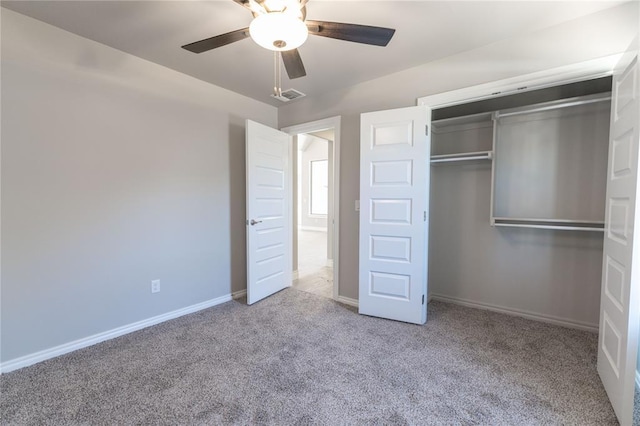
(314, 272)
(315, 227)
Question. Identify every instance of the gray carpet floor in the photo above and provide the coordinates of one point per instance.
(298, 358)
(636, 408)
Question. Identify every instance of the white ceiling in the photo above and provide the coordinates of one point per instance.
(425, 31)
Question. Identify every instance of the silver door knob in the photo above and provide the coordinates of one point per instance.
(255, 222)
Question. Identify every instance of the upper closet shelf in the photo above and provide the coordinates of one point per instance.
(547, 106)
(466, 122)
(463, 156)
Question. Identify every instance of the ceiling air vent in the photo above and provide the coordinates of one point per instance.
(289, 95)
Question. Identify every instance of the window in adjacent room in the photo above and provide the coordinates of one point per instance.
(319, 187)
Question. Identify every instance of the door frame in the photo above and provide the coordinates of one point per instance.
(596, 68)
(316, 126)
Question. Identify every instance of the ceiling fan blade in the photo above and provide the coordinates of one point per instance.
(243, 3)
(217, 41)
(365, 34)
(254, 6)
(293, 63)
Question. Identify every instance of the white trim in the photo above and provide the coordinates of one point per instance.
(562, 75)
(241, 293)
(347, 301)
(330, 263)
(27, 360)
(312, 228)
(317, 216)
(565, 322)
(637, 381)
(315, 126)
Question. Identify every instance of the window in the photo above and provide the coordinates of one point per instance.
(319, 187)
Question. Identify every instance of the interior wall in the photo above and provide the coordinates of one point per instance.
(316, 149)
(544, 272)
(594, 36)
(330, 216)
(115, 172)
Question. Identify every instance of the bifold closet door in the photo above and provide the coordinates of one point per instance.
(394, 197)
(619, 307)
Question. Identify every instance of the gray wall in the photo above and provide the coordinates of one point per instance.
(553, 273)
(560, 45)
(115, 172)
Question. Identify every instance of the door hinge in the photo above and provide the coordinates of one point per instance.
(423, 299)
(426, 130)
(425, 216)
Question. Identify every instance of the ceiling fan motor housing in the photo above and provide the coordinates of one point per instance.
(278, 31)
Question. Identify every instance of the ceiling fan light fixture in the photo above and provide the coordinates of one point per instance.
(278, 31)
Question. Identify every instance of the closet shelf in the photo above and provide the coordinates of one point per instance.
(553, 105)
(462, 123)
(557, 224)
(463, 156)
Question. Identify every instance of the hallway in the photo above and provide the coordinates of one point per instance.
(314, 276)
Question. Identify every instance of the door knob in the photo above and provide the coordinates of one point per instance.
(255, 222)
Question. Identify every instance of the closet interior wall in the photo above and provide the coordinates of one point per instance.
(547, 274)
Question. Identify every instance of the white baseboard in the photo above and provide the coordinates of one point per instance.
(313, 228)
(330, 263)
(518, 312)
(239, 294)
(27, 360)
(347, 301)
(638, 380)
(295, 275)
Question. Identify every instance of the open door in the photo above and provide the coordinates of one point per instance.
(394, 198)
(620, 296)
(269, 243)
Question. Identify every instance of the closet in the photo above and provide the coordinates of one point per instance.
(517, 202)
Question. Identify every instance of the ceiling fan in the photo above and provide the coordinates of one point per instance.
(281, 26)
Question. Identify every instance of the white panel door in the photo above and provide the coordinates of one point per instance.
(620, 296)
(394, 197)
(269, 243)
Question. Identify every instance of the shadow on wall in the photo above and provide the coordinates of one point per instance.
(237, 204)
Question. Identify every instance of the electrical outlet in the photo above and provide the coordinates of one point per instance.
(155, 286)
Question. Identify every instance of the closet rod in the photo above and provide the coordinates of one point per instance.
(468, 156)
(576, 102)
(559, 224)
(559, 228)
(555, 221)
